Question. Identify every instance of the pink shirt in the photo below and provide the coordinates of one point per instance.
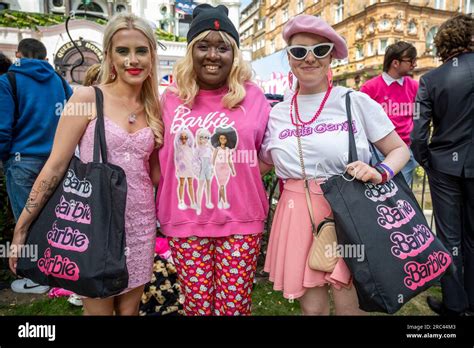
(237, 203)
(397, 100)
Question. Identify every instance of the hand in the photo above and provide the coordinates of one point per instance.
(18, 241)
(364, 172)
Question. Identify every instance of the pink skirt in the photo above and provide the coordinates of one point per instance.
(291, 239)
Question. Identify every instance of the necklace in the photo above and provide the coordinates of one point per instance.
(132, 117)
(294, 103)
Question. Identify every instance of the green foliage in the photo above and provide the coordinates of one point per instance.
(22, 20)
(165, 36)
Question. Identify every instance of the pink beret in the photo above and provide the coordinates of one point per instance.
(314, 25)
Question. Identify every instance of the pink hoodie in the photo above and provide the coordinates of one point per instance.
(211, 149)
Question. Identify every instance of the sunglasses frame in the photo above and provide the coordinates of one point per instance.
(310, 48)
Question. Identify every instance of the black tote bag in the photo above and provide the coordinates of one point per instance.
(80, 232)
(401, 256)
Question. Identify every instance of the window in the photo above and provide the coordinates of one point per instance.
(4, 6)
(58, 3)
(285, 14)
(272, 23)
(260, 24)
(339, 14)
(412, 27)
(300, 7)
(384, 24)
(272, 46)
(469, 6)
(359, 52)
(92, 7)
(370, 49)
(371, 27)
(372, 2)
(121, 8)
(383, 46)
(398, 24)
(440, 4)
(359, 33)
(430, 48)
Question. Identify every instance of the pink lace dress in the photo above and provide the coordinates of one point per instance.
(131, 152)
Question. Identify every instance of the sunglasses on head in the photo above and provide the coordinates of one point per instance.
(320, 50)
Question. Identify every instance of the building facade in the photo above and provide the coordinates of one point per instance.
(168, 15)
(368, 26)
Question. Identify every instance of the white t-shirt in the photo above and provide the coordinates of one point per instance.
(325, 142)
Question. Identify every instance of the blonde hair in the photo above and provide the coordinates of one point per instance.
(92, 75)
(185, 77)
(149, 93)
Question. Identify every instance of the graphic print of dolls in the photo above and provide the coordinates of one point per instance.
(203, 156)
(183, 152)
(223, 140)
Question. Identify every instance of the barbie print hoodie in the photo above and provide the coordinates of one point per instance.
(210, 182)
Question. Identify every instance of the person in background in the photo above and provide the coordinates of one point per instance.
(446, 100)
(395, 90)
(29, 117)
(5, 63)
(214, 245)
(92, 75)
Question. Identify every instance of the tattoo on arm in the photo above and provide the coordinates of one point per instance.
(44, 186)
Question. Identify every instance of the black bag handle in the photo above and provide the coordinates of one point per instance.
(99, 136)
(352, 144)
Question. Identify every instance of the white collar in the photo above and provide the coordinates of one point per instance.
(389, 79)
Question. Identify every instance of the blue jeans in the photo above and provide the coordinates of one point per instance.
(21, 175)
(407, 171)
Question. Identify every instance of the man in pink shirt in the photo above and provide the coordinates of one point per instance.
(396, 92)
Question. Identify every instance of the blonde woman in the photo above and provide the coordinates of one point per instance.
(133, 130)
(215, 250)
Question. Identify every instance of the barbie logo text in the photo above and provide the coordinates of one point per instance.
(380, 192)
(58, 266)
(72, 184)
(411, 244)
(73, 211)
(67, 239)
(421, 273)
(215, 119)
(395, 217)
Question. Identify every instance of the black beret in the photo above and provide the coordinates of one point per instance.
(207, 17)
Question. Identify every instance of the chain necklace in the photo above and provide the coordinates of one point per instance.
(294, 103)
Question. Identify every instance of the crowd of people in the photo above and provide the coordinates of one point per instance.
(194, 157)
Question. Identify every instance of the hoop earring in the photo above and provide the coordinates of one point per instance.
(290, 79)
(113, 74)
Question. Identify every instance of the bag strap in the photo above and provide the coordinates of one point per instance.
(12, 79)
(99, 136)
(352, 144)
(306, 183)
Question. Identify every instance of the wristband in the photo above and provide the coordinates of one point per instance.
(388, 169)
(382, 172)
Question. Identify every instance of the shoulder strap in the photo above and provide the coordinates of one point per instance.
(12, 79)
(100, 145)
(352, 144)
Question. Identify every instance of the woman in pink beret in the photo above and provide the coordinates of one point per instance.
(314, 115)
